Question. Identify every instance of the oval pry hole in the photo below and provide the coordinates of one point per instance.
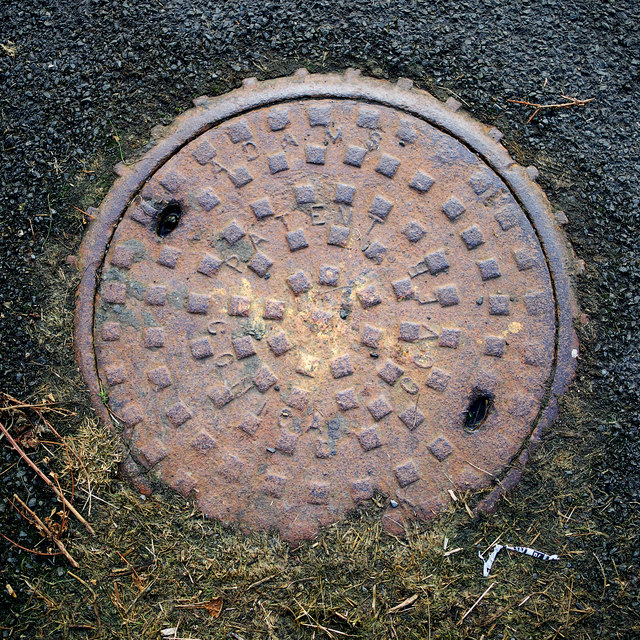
(477, 412)
(168, 219)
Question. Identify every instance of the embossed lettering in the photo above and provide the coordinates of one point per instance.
(409, 386)
(333, 137)
(256, 239)
(288, 141)
(417, 269)
(217, 168)
(241, 387)
(430, 333)
(250, 150)
(423, 361)
(216, 326)
(374, 221)
(373, 142)
(316, 218)
(344, 216)
(224, 359)
(425, 299)
(283, 218)
(233, 262)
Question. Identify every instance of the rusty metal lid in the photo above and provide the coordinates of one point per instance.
(320, 287)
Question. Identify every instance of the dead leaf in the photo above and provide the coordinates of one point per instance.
(214, 607)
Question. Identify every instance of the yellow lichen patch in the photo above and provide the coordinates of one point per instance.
(514, 327)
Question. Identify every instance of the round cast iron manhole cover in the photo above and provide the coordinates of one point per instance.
(319, 287)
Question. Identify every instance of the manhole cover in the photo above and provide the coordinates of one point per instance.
(317, 288)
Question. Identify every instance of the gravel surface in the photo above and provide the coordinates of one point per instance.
(74, 76)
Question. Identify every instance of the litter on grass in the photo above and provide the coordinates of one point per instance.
(488, 563)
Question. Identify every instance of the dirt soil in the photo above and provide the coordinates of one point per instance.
(81, 86)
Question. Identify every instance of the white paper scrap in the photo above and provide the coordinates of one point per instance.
(488, 563)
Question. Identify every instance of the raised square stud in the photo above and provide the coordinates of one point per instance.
(260, 264)
(369, 297)
(220, 395)
(388, 166)
(160, 378)
(208, 200)
(421, 182)
(369, 438)
(403, 289)
(273, 310)
(355, 156)
(169, 257)
(243, 347)
(380, 207)
(296, 240)
(449, 338)
(315, 154)
(472, 237)
(494, 346)
(239, 131)
(278, 162)
(178, 414)
(328, 275)
(371, 336)
(298, 282)
(438, 379)
(499, 305)
(368, 118)
(264, 379)
(448, 296)
(319, 116)
(379, 408)
(347, 399)
(305, 194)
(153, 337)
(375, 252)
(122, 257)
(412, 418)
(210, 265)
(232, 233)
(262, 208)
(279, 343)
(341, 366)
(278, 118)
(390, 372)
(201, 348)
(338, 235)
(489, 269)
(436, 262)
(407, 473)
(298, 398)
(344, 194)
(198, 303)
(250, 424)
(440, 448)
(414, 232)
(239, 306)
(409, 332)
(453, 208)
